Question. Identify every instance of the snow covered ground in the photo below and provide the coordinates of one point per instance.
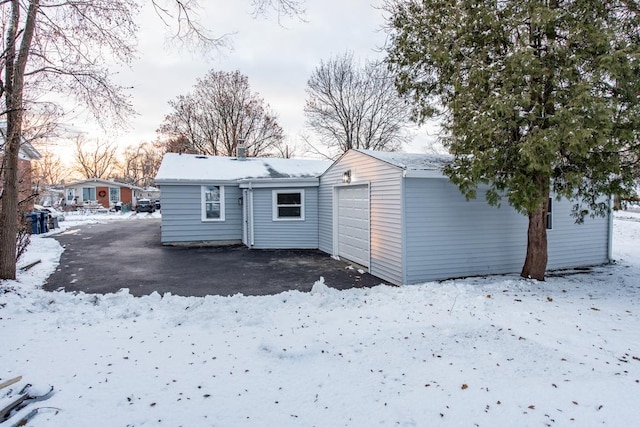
(494, 351)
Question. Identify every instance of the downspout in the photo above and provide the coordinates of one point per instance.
(251, 239)
(403, 219)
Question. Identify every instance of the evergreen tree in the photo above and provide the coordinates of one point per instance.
(534, 95)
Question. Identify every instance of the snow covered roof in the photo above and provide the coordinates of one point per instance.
(98, 181)
(412, 161)
(197, 168)
(27, 151)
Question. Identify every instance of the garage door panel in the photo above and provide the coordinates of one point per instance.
(353, 224)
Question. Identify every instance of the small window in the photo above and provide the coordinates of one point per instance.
(549, 214)
(212, 203)
(288, 205)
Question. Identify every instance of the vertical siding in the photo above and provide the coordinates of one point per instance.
(448, 236)
(385, 209)
(181, 216)
(270, 234)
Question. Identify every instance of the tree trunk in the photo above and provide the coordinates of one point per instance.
(15, 63)
(8, 215)
(535, 263)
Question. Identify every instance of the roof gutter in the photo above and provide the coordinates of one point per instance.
(422, 173)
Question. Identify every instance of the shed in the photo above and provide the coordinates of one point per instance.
(397, 215)
(261, 202)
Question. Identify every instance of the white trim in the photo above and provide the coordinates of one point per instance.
(610, 231)
(274, 204)
(203, 204)
(245, 217)
(251, 229)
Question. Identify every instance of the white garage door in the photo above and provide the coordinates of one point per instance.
(353, 224)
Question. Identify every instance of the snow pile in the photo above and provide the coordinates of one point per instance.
(496, 351)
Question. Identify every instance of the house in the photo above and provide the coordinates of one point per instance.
(261, 202)
(26, 154)
(101, 191)
(394, 214)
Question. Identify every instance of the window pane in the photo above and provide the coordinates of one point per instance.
(114, 194)
(213, 210)
(88, 193)
(289, 212)
(212, 194)
(289, 199)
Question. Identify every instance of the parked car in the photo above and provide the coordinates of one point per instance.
(145, 205)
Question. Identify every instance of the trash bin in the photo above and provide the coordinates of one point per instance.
(44, 222)
(33, 221)
(53, 222)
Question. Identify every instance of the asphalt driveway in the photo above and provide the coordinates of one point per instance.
(103, 258)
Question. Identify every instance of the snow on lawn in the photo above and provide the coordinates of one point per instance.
(485, 351)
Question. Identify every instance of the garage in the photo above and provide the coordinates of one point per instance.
(352, 217)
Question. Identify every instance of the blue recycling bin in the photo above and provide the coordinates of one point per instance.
(44, 222)
(33, 221)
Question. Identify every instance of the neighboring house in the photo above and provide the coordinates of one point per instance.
(151, 193)
(26, 154)
(101, 191)
(395, 214)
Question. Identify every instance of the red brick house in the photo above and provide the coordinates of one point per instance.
(25, 185)
(101, 191)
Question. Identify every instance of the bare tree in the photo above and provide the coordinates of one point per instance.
(56, 48)
(140, 164)
(49, 170)
(356, 107)
(62, 48)
(96, 159)
(221, 111)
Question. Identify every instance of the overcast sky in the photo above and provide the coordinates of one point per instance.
(278, 58)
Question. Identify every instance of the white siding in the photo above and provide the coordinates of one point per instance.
(385, 183)
(182, 217)
(448, 236)
(288, 234)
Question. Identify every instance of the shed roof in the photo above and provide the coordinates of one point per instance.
(412, 161)
(197, 168)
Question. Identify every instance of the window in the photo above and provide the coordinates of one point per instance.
(88, 193)
(71, 194)
(212, 203)
(549, 215)
(114, 194)
(288, 205)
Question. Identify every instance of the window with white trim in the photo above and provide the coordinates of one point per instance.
(212, 203)
(114, 194)
(550, 215)
(288, 205)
